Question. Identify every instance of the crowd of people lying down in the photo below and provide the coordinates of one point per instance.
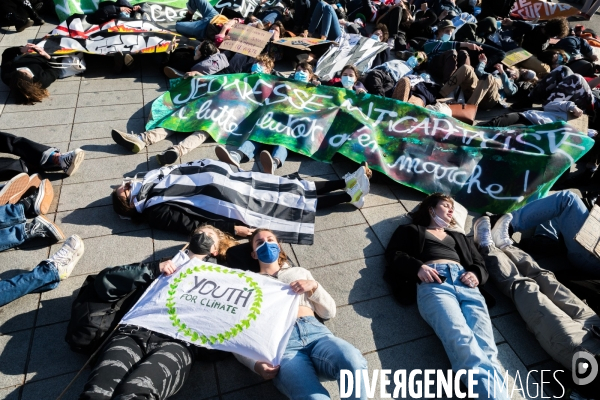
(241, 219)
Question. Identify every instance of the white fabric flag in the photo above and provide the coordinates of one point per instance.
(219, 308)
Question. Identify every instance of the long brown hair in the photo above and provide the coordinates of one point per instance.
(282, 256)
(422, 217)
(26, 90)
(225, 240)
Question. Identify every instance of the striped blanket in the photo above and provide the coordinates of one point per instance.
(285, 206)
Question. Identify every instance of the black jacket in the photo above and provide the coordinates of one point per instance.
(379, 82)
(176, 217)
(403, 265)
(39, 66)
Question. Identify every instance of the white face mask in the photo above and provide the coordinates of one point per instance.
(25, 69)
(437, 220)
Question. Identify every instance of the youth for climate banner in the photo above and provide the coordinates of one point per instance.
(219, 308)
(540, 9)
(485, 169)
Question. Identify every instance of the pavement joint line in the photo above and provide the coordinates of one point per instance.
(343, 262)
(366, 300)
(399, 344)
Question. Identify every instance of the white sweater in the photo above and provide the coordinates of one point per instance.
(320, 302)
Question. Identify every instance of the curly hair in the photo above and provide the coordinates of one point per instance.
(557, 27)
(225, 240)
(26, 90)
(384, 30)
(547, 56)
(207, 49)
(421, 215)
(267, 61)
(282, 256)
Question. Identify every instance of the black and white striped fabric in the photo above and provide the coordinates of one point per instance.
(285, 206)
(354, 50)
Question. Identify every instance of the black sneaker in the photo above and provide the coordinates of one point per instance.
(37, 200)
(21, 24)
(43, 227)
(167, 157)
(38, 21)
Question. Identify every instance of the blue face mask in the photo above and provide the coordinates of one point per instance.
(268, 252)
(445, 37)
(301, 76)
(498, 24)
(348, 82)
(256, 67)
(560, 59)
(375, 37)
(412, 62)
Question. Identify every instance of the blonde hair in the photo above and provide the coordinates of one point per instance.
(225, 240)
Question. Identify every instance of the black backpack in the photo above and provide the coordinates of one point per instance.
(92, 319)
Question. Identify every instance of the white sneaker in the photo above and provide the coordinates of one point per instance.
(70, 162)
(358, 177)
(483, 232)
(357, 196)
(67, 256)
(500, 233)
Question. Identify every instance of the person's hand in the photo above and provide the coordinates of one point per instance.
(125, 9)
(360, 90)
(469, 279)
(593, 57)
(427, 274)
(499, 67)
(483, 58)
(242, 231)
(423, 7)
(135, 8)
(173, 45)
(192, 73)
(266, 370)
(578, 112)
(507, 22)
(305, 34)
(315, 82)
(472, 46)
(304, 285)
(167, 267)
(443, 15)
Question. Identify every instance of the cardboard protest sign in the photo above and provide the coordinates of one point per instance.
(353, 49)
(485, 169)
(300, 43)
(540, 9)
(246, 40)
(219, 308)
(515, 56)
(589, 234)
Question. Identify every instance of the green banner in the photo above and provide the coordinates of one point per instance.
(485, 169)
(66, 8)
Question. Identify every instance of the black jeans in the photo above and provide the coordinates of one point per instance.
(33, 155)
(138, 363)
(507, 120)
(325, 199)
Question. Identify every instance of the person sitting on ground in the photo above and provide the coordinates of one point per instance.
(207, 59)
(483, 93)
(561, 322)
(324, 23)
(215, 199)
(46, 275)
(19, 13)
(560, 214)
(28, 74)
(35, 157)
(135, 354)
(448, 269)
(26, 197)
(312, 351)
(445, 56)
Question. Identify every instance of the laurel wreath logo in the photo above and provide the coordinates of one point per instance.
(192, 334)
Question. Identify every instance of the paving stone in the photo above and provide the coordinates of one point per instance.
(19, 314)
(265, 391)
(207, 150)
(339, 245)
(338, 216)
(115, 97)
(234, 376)
(100, 113)
(42, 118)
(167, 244)
(94, 221)
(503, 304)
(47, 135)
(518, 384)
(99, 148)
(13, 357)
(515, 332)
(304, 166)
(385, 220)
(102, 129)
(54, 102)
(551, 377)
(64, 87)
(51, 357)
(378, 323)
(51, 388)
(55, 305)
(153, 94)
(80, 195)
(18, 38)
(201, 384)
(114, 167)
(109, 251)
(14, 262)
(353, 281)
(11, 393)
(409, 197)
(105, 85)
(154, 82)
(3, 98)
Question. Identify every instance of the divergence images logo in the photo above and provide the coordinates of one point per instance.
(232, 301)
(584, 368)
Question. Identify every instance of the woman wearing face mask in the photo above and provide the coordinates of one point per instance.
(312, 351)
(304, 73)
(137, 362)
(381, 34)
(349, 81)
(28, 71)
(383, 79)
(448, 269)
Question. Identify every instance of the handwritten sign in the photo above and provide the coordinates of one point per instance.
(539, 9)
(246, 40)
(515, 56)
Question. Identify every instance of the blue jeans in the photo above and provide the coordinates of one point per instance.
(44, 277)
(250, 149)
(313, 352)
(325, 15)
(459, 316)
(12, 226)
(560, 213)
(197, 28)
